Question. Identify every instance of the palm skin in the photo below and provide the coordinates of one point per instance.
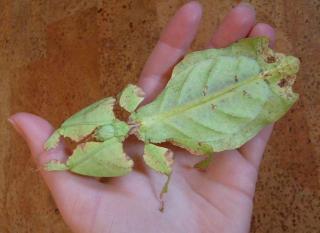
(218, 200)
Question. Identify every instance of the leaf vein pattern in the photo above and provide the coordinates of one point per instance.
(202, 125)
(174, 127)
(231, 115)
(177, 110)
(165, 93)
(184, 83)
(209, 72)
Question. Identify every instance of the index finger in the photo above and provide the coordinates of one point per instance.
(236, 25)
(174, 42)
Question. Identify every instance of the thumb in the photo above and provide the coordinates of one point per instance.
(35, 131)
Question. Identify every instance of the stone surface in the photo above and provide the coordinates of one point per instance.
(57, 56)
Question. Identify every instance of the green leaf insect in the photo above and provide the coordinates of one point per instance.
(90, 159)
(159, 159)
(84, 122)
(216, 100)
(131, 97)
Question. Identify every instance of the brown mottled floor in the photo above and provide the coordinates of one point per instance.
(57, 56)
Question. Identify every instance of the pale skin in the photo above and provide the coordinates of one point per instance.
(218, 200)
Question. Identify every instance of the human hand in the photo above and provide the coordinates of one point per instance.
(218, 200)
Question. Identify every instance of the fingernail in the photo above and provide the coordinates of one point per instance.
(194, 9)
(245, 5)
(15, 126)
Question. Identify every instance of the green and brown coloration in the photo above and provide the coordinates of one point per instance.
(216, 100)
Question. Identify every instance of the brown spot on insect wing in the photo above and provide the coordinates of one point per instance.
(236, 78)
(205, 90)
(199, 143)
(244, 92)
(271, 59)
(283, 82)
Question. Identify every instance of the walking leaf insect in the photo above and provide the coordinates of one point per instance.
(216, 100)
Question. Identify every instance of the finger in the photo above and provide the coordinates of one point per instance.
(262, 29)
(228, 168)
(238, 171)
(35, 132)
(236, 25)
(174, 42)
(253, 150)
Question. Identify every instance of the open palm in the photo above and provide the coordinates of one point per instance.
(218, 200)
